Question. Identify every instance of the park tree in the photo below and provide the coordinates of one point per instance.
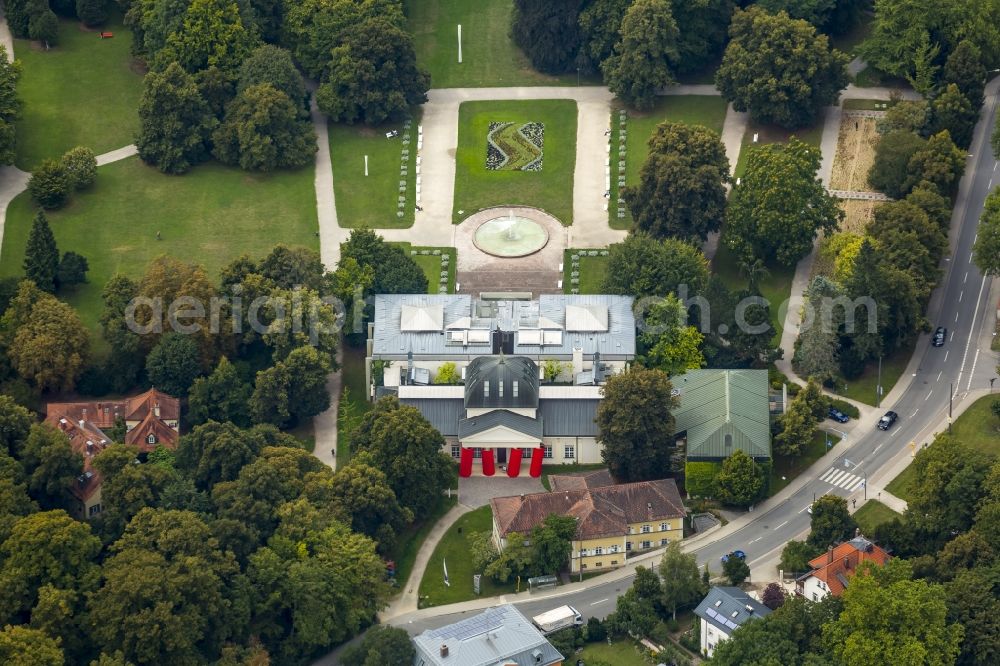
(816, 12)
(212, 33)
(779, 69)
(973, 601)
(795, 557)
(10, 105)
(263, 131)
(293, 389)
(92, 12)
(798, 424)
(889, 171)
(43, 26)
(831, 522)
(80, 167)
(951, 110)
(682, 585)
(986, 251)
(15, 423)
(21, 645)
(740, 480)
(127, 488)
(221, 396)
(373, 76)
(681, 191)
(634, 614)
(773, 596)
(46, 549)
(194, 602)
(910, 241)
(703, 26)
(736, 570)
(927, 198)
(643, 266)
(398, 440)
(907, 115)
(395, 272)
(174, 363)
(41, 256)
(952, 475)
(51, 466)
(939, 162)
(600, 26)
(640, 64)
(381, 646)
(552, 543)
(217, 88)
(175, 123)
(635, 424)
(362, 494)
(780, 206)
(128, 360)
(49, 185)
(72, 270)
(964, 68)
(667, 342)
(547, 32)
(299, 317)
(890, 619)
(50, 349)
(273, 65)
(214, 452)
(817, 345)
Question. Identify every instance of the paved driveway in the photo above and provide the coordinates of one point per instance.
(477, 491)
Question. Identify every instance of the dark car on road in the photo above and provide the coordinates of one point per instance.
(738, 554)
(886, 421)
(838, 416)
(939, 336)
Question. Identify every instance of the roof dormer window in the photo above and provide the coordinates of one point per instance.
(151, 439)
(486, 388)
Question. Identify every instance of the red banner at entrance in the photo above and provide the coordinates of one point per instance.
(465, 463)
(536, 462)
(488, 467)
(514, 463)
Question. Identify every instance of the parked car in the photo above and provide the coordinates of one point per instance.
(939, 336)
(738, 554)
(887, 420)
(838, 416)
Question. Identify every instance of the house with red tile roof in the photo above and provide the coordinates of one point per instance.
(612, 520)
(831, 572)
(151, 419)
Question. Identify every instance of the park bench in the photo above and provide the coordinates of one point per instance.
(107, 35)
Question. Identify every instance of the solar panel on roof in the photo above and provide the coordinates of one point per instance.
(711, 612)
(731, 625)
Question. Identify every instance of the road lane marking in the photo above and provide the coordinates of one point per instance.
(952, 336)
(894, 433)
(945, 360)
(598, 602)
(965, 279)
(972, 329)
(972, 372)
(914, 412)
(970, 254)
(939, 376)
(928, 395)
(781, 525)
(956, 316)
(960, 295)
(876, 449)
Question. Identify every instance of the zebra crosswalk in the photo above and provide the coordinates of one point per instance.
(837, 476)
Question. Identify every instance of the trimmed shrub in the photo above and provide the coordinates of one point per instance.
(845, 407)
(699, 478)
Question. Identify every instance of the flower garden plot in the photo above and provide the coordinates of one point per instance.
(515, 148)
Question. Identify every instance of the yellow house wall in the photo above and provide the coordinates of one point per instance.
(605, 559)
(674, 532)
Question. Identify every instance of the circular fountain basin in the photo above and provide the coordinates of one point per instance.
(510, 236)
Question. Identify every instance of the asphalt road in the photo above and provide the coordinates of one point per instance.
(965, 362)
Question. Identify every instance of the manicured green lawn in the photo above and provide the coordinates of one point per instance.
(353, 400)
(409, 542)
(863, 388)
(790, 467)
(372, 201)
(592, 272)
(209, 217)
(550, 189)
(775, 287)
(83, 92)
(454, 549)
(489, 57)
(873, 514)
(430, 263)
(774, 134)
(567, 469)
(621, 652)
(901, 485)
(706, 110)
(866, 104)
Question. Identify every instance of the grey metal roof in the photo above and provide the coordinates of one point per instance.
(729, 607)
(492, 381)
(568, 418)
(500, 418)
(724, 406)
(443, 413)
(524, 319)
(500, 635)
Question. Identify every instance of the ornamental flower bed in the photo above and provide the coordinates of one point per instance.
(511, 147)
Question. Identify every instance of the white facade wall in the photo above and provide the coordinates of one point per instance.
(711, 636)
(814, 589)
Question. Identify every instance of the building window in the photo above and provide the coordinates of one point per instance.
(614, 562)
(514, 388)
(151, 439)
(815, 598)
(646, 544)
(628, 546)
(614, 548)
(599, 564)
(728, 440)
(486, 388)
(500, 388)
(645, 529)
(664, 527)
(664, 542)
(526, 453)
(569, 452)
(456, 451)
(599, 551)
(477, 452)
(94, 510)
(547, 453)
(583, 566)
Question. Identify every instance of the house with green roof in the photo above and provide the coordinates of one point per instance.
(722, 411)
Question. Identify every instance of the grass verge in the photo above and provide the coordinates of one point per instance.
(863, 388)
(773, 134)
(372, 201)
(431, 265)
(784, 469)
(775, 286)
(592, 272)
(621, 652)
(873, 514)
(901, 485)
(550, 189)
(208, 217)
(353, 400)
(454, 549)
(83, 92)
(409, 542)
(706, 110)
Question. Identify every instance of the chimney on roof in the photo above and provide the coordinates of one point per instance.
(156, 409)
(444, 650)
(829, 555)
(857, 532)
(90, 448)
(81, 422)
(84, 414)
(649, 506)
